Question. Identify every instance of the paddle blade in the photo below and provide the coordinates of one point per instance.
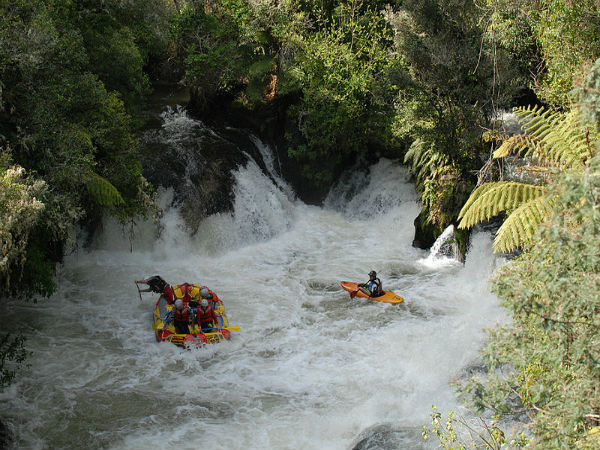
(234, 328)
(353, 293)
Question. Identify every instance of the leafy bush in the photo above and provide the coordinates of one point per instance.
(553, 344)
(69, 75)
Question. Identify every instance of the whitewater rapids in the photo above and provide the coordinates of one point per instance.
(311, 368)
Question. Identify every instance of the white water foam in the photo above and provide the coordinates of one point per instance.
(311, 368)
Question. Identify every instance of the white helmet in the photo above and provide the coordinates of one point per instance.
(204, 302)
(178, 303)
(204, 292)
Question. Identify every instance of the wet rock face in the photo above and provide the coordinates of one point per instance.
(425, 233)
(5, 437)
(195, 162)
(388, 437)
(211, 183)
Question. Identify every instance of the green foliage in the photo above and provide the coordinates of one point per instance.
(589, 97)
(522, 223)
(458, 434)
(545, 364)
(70, 72)
(346, 100)
(551, 137)
(447, 98)
(552, 39)
(490, 199)
(103, 191)
(436, 179)
(223, 49)
(20, 208)
(554, 142)
(12, 356)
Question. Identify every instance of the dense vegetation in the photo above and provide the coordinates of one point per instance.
(67, 138)
(339, 82)
(71, 76)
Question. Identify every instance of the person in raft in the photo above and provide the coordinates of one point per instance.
(180, 316)
(205, 316)
(159, 285)
(213, 300)
(373, 287)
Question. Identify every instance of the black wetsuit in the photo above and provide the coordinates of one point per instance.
(157, 284)
(181, 327)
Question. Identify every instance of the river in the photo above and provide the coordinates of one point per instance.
(310, 369)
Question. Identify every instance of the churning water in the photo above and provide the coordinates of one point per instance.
(311, 368)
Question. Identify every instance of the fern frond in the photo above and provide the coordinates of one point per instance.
(520, 145)
(103, 191)
(424, 161)
(564, 142)
(520, 227)
(491, 199)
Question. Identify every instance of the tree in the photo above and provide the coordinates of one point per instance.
(545, 363)
(451, 95)
(553, 143)
(341, 73)
(65, 128)
(551, 39)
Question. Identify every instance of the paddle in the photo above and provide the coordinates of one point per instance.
(139, 292)
(234, 328)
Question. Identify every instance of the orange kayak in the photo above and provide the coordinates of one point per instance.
(387, 297)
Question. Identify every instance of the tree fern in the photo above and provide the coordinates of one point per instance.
(491, 199)
(554, 142)
(562, 140)
(103, 191)
(435, 179)
(424, 161)
(520, 226)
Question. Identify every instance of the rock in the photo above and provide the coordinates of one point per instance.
(425, 234)
(195, 162)
(5, 436)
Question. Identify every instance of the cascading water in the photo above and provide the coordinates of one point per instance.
(311, 368)
(444, 247)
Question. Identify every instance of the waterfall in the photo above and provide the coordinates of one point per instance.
(445, 246)
(310, 369)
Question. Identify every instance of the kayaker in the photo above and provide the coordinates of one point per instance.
(209, 295)
(157, 284)
(205, 316)
(180, 316)
(373, 287)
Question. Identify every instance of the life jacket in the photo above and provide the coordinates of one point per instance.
(378, 289)
(212, 297)
(181, 316)
(181, 291)
(168, 294)
(204, 316)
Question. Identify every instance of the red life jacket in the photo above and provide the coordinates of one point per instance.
(204, 316)
(181, 316)
(212, 297)
(169, 294)
(185, 295)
